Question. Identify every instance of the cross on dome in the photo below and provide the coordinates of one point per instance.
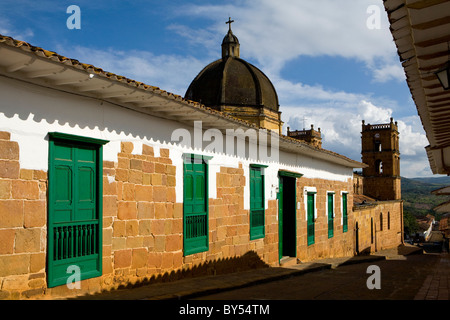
(229, 22)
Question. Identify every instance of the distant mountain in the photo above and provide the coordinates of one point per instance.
(424, 185)
(416, 192)
(418, 200)
(438, 181)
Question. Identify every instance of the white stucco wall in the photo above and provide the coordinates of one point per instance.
(30, 112)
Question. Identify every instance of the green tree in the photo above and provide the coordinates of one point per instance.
(410, 223)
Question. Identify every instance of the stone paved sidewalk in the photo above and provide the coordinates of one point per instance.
(204, 285)
(437, 284)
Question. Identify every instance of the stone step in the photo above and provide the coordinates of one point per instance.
(288, 261)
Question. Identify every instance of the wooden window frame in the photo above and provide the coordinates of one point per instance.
(330, 230)
(344, 211)
(189, 246)
(77, 141)
(257, 232)
(310, 223)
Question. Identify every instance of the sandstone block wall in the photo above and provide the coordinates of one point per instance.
(23, 216)
(143, 225)
(380, 226)
(341, 244)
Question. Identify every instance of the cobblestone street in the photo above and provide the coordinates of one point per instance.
(422, 277)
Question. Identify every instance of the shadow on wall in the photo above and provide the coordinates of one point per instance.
(249, 261)
(365, 251)
(40, 109)
(46, 107)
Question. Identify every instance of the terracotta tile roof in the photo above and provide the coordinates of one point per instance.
(68, 61)
(360, 199)
(444, 223)
(53, 56)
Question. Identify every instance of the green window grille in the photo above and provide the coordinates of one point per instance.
(195, 204)
(257, 212)
(344, 213)
(310, 212)
(330, 202)
(74, 207)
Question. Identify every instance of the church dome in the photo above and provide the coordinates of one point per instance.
(233, 82)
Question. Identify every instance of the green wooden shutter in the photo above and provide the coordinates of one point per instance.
(330, 214)
(75, 207)
(310, 222)
(195, 205)
(257, 219)
(344, 213)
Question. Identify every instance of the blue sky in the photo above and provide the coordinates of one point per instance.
(326, 62)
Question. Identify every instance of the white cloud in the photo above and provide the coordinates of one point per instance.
(290, 92)
(341, 120)
(204, 38)
(412, 141)
(312, 28)
(169, 72)
(388, 72)
(338, 114)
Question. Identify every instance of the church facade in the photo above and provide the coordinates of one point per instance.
(108, 182)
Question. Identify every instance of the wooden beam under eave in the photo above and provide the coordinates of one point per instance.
(196, 117)
(425, 4)
(433, 86)
(440, 106)
(175, 112)
(434, 55)
(437, 94)
(153, 102)
(429, 78)
(44, 73)
(438, 100)
(442, 118)
(432, 23)
(114, 94)
(20, 65)
(441, 133)
(91, 87)
(69, 81)
(441, 130)
(432, 67)
(443, 142)
(441, 137)
(432, 42)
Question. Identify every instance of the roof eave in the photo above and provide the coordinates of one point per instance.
(24, 62)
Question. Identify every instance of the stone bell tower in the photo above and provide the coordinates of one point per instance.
(380, 151)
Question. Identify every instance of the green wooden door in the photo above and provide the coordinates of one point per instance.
(330, 202)
(310, 213)
(280, 217)
(256, 203)
(74, 229)
(195, 206)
